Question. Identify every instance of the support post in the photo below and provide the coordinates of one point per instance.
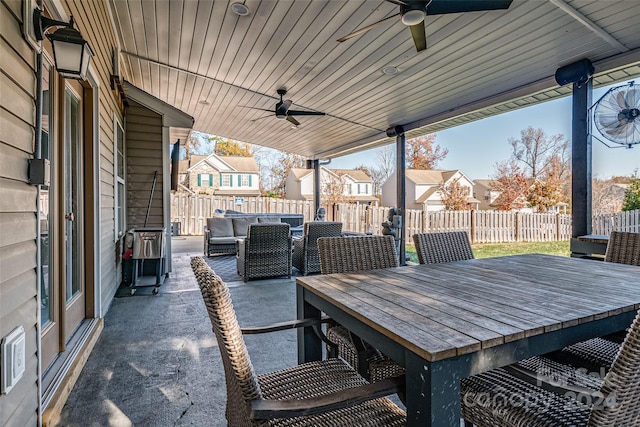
(581, 162)
(401, 189)
(316, 186)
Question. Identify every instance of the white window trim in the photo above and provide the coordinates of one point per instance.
(118, 180)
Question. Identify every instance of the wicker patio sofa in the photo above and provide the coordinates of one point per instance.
(223, 230)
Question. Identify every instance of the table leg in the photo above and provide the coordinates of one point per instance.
(309, 344)
(433, 392)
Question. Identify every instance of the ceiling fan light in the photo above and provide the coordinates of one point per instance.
(413, 17)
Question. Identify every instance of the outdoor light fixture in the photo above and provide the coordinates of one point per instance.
(413, 14)
(240, 9)
(71, 52)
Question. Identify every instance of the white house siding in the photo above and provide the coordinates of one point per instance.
(18, 220)
(18, 253)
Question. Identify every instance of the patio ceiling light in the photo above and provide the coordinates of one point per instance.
(71, 52)
(240, 9)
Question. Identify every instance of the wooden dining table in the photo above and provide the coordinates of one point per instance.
(444, 322)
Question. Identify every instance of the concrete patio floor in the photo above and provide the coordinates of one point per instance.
(157, 362)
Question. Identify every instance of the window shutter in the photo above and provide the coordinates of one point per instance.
(220, 176)
(239, 180)
(230, 180)
(199, 180)
(358, 188)
(249, 180)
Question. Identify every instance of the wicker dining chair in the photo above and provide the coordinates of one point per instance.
(327, 392)
(305, 249)
(352, 254)
(598, 354)
(265, 252)
(434, 248)
(623, 248)
(501, 397)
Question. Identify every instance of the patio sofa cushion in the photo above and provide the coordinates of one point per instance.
(262, 219)
(240, 225)
(220, 227)
(223, 240)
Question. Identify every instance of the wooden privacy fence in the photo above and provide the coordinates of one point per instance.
(191, 212)
(482, 226)
(622, 221)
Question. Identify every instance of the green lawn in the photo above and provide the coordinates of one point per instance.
(488, 250)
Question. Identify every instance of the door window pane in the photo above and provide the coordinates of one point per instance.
(46, 290)
(72, 195)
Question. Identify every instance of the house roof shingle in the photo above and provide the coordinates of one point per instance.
(357, 174)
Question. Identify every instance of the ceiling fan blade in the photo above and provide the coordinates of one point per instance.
(619, 130)
(292, 120)
(304, 113)
(260, 118)
(441, 7)
(608, 120)
(367, 28)
(632, 98)
(255, 108)
(622, 103)
(419, 37)
(398, 2)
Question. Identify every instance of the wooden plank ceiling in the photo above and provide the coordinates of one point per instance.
(222, 68)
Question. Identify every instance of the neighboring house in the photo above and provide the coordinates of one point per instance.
(423, 189)
(351, 185)
(490, 199)
(220, 175)
(482, 190)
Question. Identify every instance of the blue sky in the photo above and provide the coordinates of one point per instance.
(476, 147)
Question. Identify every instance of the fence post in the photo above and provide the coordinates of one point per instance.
(473, 226)
(517, 223)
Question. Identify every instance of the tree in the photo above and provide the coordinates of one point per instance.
(543, 194)
(423, 152)
(537, 152)
(332, 189)
(193, 144)
(229, 147)
(385, 165)
(454, 196)
(510, 181)
(632, 195)
(606, 195)
(280, 169)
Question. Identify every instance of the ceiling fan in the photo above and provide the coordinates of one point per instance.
(283, 110)
(412, 14)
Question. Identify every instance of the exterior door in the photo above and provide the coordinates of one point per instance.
(74, 298)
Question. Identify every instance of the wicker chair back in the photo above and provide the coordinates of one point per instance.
(621, 386)
(242, 383)
(359, 253)
(434, 248)
(623, 248)
(305, 250)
